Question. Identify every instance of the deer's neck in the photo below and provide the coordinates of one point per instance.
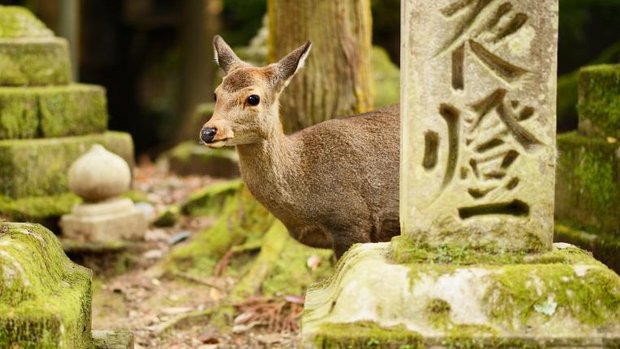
(269, 166)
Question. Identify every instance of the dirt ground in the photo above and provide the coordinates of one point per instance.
(170, 312)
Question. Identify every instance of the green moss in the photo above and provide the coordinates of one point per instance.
(588, 182)
(519, 290)
(599, 100)
(366, 334)
(169, 217)
(386, 77)
(34, 62)
(241, 219)
(18, 22)
(55, 111)
(39, 167)
(38, 209)
(437, 312)
(45, 299)
(211, 200)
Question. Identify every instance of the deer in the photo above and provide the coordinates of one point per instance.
(333, 184)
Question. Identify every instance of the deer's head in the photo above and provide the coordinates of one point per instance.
(246, 102)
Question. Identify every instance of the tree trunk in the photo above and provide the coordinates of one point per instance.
(336, 79)
(200, 23)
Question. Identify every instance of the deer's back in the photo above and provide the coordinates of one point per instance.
(350, 170)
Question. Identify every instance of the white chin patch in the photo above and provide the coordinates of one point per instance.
(216, 144)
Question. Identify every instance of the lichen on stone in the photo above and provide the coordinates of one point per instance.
(45, 298)
(18, 22)
(599, 100)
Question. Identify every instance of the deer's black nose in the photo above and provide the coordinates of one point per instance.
(207, 134)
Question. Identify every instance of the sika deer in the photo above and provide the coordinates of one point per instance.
(333, 184)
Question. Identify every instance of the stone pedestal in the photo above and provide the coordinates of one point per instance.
(115, 219)
(398, 296)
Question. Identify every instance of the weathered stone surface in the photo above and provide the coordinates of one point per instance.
(39, 167)
(111, 220)
(54, 111)
(99, 175)
(400, 295)
(478, 123)
(34, 62)
(599, 100)
(190, 158)
(45, 299)
(588, 183)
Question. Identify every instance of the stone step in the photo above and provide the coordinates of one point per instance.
(599, 100)
(588, 183)
(39, 167)
(45, 299)
(54, 111)
(34, 62)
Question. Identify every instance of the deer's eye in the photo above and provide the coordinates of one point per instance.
(253, 100)
(214, 97)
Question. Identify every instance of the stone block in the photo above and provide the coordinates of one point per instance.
(55, 111)
(34, 62)
(113, 339)
(599, 100)
(30, 55)
(398, 296)
(110, 220)
(189, 158)
(478, 123)
(39, 167)
(45, 299)
(588, 183)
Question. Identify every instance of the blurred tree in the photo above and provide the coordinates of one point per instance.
(200, 23)
(337, 79)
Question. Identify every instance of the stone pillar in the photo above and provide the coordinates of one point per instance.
(478, 123)
(475, 266)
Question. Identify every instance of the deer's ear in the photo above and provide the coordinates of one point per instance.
(224, 55)
(289, 65)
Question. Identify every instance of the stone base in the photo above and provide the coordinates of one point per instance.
(393, 295)
(604, 247)
(115, 219)
(588, 183)
(45, 299)
(39, 167)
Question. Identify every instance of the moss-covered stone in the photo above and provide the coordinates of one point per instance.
(113, 339)
(599, 100)
(34, 62)
(38, 167)
(45, 299)
(604, 247)
(538, 301)
(588, 182)
(191, 158)
(18, 22)
(45, 210)
(55, 111)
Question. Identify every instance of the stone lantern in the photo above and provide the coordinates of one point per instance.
(99, 177)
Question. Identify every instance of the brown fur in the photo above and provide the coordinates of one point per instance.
(333, 184)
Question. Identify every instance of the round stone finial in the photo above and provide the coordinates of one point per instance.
(99, 174)
(19, 22)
